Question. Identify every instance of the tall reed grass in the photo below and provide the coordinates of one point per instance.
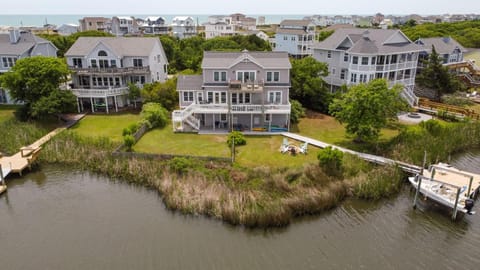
(15, 134)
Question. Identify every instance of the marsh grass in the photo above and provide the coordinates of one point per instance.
(15, 134)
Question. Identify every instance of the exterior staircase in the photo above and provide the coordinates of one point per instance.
(180, 118)
(408, 94)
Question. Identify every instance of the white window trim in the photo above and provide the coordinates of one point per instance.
(274, 95)
(272, 76)
(243, 71)
(187, 96)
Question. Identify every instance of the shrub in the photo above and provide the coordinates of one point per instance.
(432, 126)
(128, 141)
(131, 129)
(180, 165)
(330, 160)
(155, 115)
(297, 111)
(237, 137)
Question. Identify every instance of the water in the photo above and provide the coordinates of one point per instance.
(55, 218)
(39, 20)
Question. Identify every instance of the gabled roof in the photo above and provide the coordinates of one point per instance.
(189, 82)
(121, 46)
(26, 42)
(369, 41)
(224, 60)
(443, 45)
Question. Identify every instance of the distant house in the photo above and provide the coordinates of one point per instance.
(154, 25)
(259, 34)
(219, 26)
(183, 27)
(102, 68)
(67, 29)
(246, 91)
(94, 24)
(243, 22)
(357, 56)
(447, 48)
(295, 37)
(121, 26)
(16, 45)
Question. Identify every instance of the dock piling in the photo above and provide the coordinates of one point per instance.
(419, 180)
(454, 215)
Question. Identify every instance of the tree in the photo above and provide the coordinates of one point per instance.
(308, 86)
(297, 111)
(436, 77)
(133, 93)
(35, 81)
(366, 108)
(164, 93)
(154, 115)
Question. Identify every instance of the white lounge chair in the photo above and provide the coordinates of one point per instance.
(304, 148)
(285, 146)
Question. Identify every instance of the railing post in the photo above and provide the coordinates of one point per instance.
(454, 215)
(2, 179)
(469, 186)
(419, 180)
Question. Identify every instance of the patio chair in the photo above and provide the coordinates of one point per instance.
(285, 146)
(304, 148)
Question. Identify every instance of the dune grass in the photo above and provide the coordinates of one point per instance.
(110, 126)
(473, 54)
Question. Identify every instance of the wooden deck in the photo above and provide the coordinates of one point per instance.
(409, 168)
(29, 154)
(453, 176)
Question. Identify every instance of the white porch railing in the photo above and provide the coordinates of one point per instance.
(409, 96)
(100, 92)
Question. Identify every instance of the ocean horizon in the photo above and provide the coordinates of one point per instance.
(18, 20)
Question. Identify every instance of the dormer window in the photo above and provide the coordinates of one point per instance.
(102, 53)
(220, 76)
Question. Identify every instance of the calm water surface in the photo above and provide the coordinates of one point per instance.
(56, 218)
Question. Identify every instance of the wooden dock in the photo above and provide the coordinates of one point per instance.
(409, 168)
(29, 154)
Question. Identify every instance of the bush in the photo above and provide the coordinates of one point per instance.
(297, 111)
(237, 137)
(155, 115)
(128, 141)
(330, 160)
(432, 126)
(180, 165)
(131, 129)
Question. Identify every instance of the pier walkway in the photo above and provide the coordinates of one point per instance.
(28, 154)
(409, 168)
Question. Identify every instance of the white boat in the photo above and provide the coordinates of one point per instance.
(448, 186)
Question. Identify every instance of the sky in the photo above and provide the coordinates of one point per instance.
(253, 7)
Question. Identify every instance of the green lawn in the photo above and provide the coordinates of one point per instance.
(165, 141)
(110, 126)
(260, 150)
(6, 113)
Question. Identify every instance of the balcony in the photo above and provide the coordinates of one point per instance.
(111, 70)
(89, 93)
(251, 86)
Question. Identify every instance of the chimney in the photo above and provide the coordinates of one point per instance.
(14, 35)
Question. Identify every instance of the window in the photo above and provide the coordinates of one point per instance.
(220, 76)
(77, 62)
(102, 53)
(353, 79)
(363, 78)
(273, 76)
(355, 60)
(223, 117)
(373, 61)
(117, 81)
(240, 98)
(268, 117)
(378, 75)
(393, 59)
(137, 62)
(234, 98)
(246, 76)
(293, 38)
(210, 97)
(200, 97)
(93, 63)
(329, 54)
(381, 60)
(333, 71)
(103, 63)
(285, 38)
(343, 72)
(188, 96)
(345, 57)
(275, 97)
(364, 61)
(113, 63)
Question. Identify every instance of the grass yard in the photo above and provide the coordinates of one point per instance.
(110, 126)
(6, 112)
(165, 141)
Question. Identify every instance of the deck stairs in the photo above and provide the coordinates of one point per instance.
(409, 96)
(185, 116)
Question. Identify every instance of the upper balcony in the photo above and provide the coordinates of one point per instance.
(99, 92)
(249, 86)
(110, 70)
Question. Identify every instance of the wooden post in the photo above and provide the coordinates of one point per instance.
(424, 162)
(233, 149)
(469, 186)
(2, 180)
(454, 215)
(419, 180)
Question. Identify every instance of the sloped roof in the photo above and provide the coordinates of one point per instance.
(368, 41)
(26, 42)
(273, 60)
(443, 45)
(291, 31)
(121, 46)
(189, 82)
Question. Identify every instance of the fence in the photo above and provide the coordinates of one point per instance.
(425, 103)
